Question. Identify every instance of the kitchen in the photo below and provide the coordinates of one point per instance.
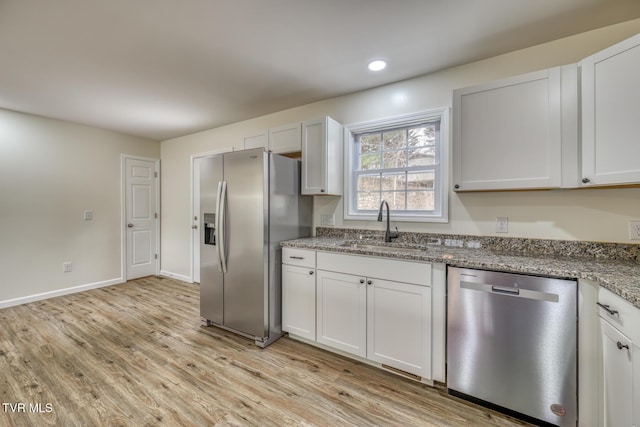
(587, 215)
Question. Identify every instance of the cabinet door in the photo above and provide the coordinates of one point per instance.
(314, 157)
(285, 139)
(617, 377)
(341, 311)
(258, 140)
(299, 301)
(399, 326)
(636, 384)
(322, 154)
(507, 134)
(610, 110)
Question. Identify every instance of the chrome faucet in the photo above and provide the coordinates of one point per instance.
(388, 235)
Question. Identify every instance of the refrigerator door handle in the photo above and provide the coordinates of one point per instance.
(222, 202)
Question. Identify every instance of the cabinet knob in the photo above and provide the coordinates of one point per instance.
(369, 282)
(311, 272)
(621, 346)
(585, 180)
(322, 190)
(457, 186)
(361, 280)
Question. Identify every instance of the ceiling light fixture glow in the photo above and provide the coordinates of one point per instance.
(377, 65)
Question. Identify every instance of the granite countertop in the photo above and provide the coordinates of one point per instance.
(622, 277)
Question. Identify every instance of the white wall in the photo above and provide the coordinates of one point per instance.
(50, 172)
(597, 215)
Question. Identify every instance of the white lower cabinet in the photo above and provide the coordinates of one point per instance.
(399, 326)
(376, 308)
(299, 301)
(342, 312)
(387, 311)
(620, 354)
(617, 386)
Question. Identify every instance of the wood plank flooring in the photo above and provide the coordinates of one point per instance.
(137, 354)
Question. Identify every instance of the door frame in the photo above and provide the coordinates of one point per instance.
(123, 212)
(195, 210)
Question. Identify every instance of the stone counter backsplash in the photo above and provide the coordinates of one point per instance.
(511, 245)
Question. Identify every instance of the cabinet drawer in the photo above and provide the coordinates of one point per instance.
(301, 257)
(381, 268)
(627, 318)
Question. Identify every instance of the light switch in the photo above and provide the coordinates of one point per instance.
(87, 215)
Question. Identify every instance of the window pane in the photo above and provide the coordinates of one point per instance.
(399, 162)
(395, 139)
(422, 156)
(395, 159)
(420, 200)
(370, 142)
(368, 200)
(421, 136)
(393, 181)
(395, 200)
(420, 181)
(370, 161)
(369, 182)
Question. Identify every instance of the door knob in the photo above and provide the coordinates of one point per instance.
(130, 225)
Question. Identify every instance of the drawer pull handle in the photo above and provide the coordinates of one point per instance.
(296, 257)
(621, 346)
(608, 309)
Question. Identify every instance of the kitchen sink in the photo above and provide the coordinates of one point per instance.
(381, 247)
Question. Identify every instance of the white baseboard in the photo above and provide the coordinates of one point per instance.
(176, 276)
(59, 292)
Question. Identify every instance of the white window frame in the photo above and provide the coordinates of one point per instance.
(441, 190)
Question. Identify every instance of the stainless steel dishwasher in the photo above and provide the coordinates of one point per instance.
(512, 343)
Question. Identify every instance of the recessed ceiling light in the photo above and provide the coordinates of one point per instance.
(377, 65)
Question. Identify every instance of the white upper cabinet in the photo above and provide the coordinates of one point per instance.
(517, 133)
(322, 152)
(610, 83)
(257, 140)
(285, 139)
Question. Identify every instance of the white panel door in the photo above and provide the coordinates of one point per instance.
(507, 134)
(342, 312)
(285, 139)
(299, 301)
(610, 108)
(617, 377)
(141, 218)
(399, 325)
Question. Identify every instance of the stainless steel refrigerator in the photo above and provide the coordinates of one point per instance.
(249, 202)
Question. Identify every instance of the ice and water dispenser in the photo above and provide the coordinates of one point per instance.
(210, 229)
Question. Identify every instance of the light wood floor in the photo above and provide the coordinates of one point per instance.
(137, 354)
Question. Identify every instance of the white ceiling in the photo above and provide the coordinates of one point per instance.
(166, 68)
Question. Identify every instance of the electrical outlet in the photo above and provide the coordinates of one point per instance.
(634, 230)
(67, 267)
(327, 220)
(502, 224)
(87, 215)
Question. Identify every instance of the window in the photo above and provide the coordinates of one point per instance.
(398, 160)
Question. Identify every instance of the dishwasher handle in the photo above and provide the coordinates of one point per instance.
(502, 290)
(510, 291)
